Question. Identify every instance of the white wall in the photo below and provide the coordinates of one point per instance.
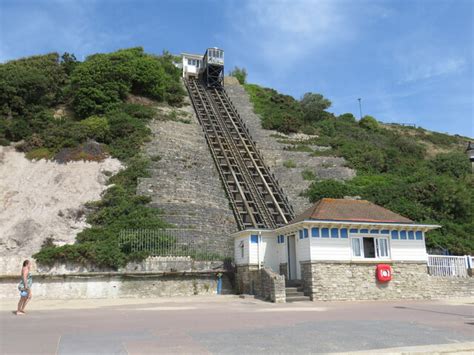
(408, 250)
(187, 68)
(330, 249)
(239, 260)
(269, 249)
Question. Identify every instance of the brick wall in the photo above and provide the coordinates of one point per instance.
(357, 281)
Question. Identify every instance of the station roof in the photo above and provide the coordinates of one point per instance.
(331, 209)
(191, 55)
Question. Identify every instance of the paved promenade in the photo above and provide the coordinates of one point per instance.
(231, 325)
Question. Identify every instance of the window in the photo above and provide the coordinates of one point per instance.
(189, 62)
(254, 238)
(356, 247)
(281, 239)
(241, 246)
(369, 247)
(382, 247)
(364, 231)
(394, 235)
(343, 232)
(403, 235)
(384, 231)
(354, 231)
(334, 233)
(300, 233)
(411, 235)
(374, 231)
(305, 233)
(315, 232)
(325, 232)
(419, 235)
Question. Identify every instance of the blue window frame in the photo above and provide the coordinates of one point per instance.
(254, 238)
(384, 231)
(305, 233)
(403, 235)
(343, 232)
(325, 232)
(364, 231)
(419, 235)
(374, 231)
(395, 235)
(354, 230)
(300, 232)
(334, 233)
(315, 232)
(411, 235)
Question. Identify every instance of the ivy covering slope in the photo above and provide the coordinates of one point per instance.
(423, 175)
(92, 96)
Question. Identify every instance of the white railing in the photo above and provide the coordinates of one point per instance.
(449, 266)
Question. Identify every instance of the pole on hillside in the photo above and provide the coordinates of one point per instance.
(360, 107)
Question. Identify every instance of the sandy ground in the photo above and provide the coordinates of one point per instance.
(41, 199)
(232, 325)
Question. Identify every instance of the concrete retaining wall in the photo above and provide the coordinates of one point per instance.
(357, 281)
(118, 285)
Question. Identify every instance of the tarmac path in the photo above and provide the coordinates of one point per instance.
(232, 325)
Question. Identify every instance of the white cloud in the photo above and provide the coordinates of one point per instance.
(284, 32)
(433, 67)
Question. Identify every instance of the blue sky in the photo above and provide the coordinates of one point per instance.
(409, 61)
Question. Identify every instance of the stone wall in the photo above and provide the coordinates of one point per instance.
(263, 283)
(150, 264)
(276, 154)
(184, 182)
(330, 281)
(118, 285)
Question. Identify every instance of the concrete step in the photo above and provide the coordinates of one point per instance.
(293, 283)
(294, 293)
(297, 299)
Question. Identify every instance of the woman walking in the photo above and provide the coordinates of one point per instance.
(24, 287)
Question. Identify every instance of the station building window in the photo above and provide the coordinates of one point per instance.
(370, 247)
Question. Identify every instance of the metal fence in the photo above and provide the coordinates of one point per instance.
(449, 266)
(173, 242)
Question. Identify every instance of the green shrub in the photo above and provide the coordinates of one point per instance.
(290, 164)
(96, 128)
(368, 122)
(328, 189)
(308, 175)
(39, 153)
(455, 164)
(103, 81)
(240, 74)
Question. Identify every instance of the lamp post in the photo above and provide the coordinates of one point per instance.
(360, 107)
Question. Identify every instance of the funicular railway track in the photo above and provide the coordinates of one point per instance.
(254, 194)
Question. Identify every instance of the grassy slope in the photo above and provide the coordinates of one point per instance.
(420, 174)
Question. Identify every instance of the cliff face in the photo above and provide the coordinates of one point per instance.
(43, 199)
(184, 181)
(287, 166)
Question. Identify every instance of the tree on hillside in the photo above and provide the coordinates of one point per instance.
(240, 74)
(313, 106)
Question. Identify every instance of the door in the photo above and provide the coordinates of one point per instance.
(291, 257)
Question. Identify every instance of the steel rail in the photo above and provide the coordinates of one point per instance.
(263, 209)
(250, 154)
